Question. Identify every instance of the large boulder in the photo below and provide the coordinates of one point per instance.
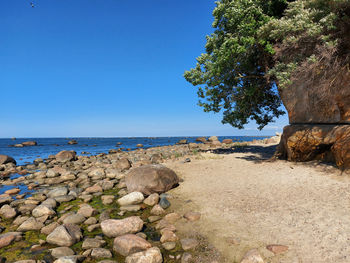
(29, 143)
(149, 179)
(330, 143)
(66, 156)
(4, 159)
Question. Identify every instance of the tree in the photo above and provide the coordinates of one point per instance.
(259, 47)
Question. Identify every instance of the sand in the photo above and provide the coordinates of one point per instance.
(247, 202)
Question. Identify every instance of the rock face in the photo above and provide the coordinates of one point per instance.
(4, 159)
(330, 143)
(65, 156)
(149, 179)
(312, 104)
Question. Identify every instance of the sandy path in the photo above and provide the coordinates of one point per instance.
(258, 203)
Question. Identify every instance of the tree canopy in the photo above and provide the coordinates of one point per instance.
(259, 47)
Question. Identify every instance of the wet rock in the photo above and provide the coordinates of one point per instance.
(192, 216)
(29, 143)
(4, 159)
(131, 199)
(7, 238)
(13, 191)
(30, 224)
(93, 243)
(7, 212)
(252, 256)
(149, 179)
(61, 252)
(277, 249)
(100, 253)
(152, 200)
(188, 243)
(151, 255)
(129, 244)
(43, 210)
(66, 156)
(118, 227)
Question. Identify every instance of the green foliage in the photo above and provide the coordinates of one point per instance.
(256, 45)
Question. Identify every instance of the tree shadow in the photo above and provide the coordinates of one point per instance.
(257, 153)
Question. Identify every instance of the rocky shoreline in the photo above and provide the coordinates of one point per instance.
(104, 208)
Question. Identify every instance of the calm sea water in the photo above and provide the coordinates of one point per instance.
(49, 146)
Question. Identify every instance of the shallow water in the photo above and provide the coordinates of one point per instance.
(51, 146)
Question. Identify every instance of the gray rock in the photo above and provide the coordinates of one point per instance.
(100, 253)
(43, 210)
(151, 255)
(61, 252)
(164, 202)
(61, 237)
(7, 212)
(49, 228)
(30, 224)
(74, 219)
(93, 243)
(58, 191)
(90, 221)
(118, 227)
(65, 198)
(50, 203)
(188, 243)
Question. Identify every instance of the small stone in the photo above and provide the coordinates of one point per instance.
(129, 244)
(74, 219)
(93, 243)
(133, 198)
(86, 210)
(30, 224)
(90, 221)
(252, 256)
(186, 257)
(58, 191)
(7, 238)
(13, 191)
(152, 219)
(188, 243)
(169, 245)
(152, 200)
(49, 228)
(118, 227)
(61, 237)
(192, 216)
(172, 217)
(151, 255)
(130, 208)
(61, 252)
(94, 189)
(164, 202)
(7, 212)
(100, 253)
(93, 227)
(277, 249)
(42, 210)
(168, 236)
(107, 199)
(157, 210)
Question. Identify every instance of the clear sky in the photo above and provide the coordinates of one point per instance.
(105, 68)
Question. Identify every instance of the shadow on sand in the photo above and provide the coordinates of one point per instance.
(257, 153)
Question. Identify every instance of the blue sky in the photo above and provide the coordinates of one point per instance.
(105, 68)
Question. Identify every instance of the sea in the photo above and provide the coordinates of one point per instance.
(86, 146)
